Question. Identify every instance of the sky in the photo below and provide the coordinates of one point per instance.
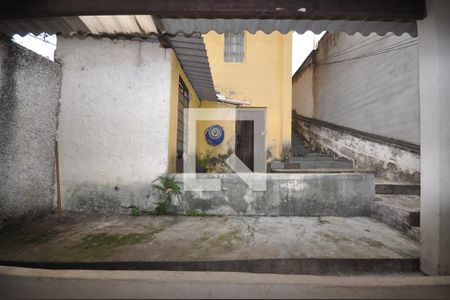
(42, 44)
(302, 45)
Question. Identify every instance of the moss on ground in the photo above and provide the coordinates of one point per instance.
(225, 240)
(372, 243)
(332, 238)
(98, 246)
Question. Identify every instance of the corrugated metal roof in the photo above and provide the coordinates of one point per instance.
(190, 51)
(192, 55)
(138, 25)
(178, 26)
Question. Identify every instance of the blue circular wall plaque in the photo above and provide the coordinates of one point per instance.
(214, 135)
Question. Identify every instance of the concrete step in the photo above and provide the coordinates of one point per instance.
(316, 154)
(323, 157)
(301, 145)
(318, 165)
(300, 153)
(389, 188)
(299, 142)
(322, 171)
(399, 211)
(301, 149)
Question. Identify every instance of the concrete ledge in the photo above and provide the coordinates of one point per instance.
(340, 195)
(38, 283)
(298, 266)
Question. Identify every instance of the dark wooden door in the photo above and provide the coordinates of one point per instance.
(245, 143)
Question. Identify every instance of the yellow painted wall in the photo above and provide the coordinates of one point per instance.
(263, 79)
(194, 102)
(202, 146)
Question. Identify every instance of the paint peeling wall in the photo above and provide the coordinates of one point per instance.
(387, 161)
(29, 93)
(114, 122)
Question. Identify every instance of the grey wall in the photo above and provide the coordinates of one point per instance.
(29, 93)
(286, 195)
(378, 94)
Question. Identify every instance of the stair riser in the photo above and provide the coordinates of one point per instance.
(397, 189)
(318, 165)
(397, 218)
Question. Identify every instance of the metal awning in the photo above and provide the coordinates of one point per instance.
(191, 53)
(183, 26)
(143, 25)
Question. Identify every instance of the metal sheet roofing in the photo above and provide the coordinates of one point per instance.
(192, 55)
(186, 26)
(190, 51)
(186, 36)
(137, 25)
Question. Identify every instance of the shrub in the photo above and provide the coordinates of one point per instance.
(169, 189)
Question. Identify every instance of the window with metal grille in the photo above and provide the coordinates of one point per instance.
(183, 102)
(234, 47)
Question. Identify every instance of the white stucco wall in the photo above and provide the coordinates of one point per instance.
(302, 93)
(378, 94)
(114, 121)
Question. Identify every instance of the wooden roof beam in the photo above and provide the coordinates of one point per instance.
(379, 10)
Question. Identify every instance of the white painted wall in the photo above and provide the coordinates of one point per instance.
(114, 121)
(378, 94)
(302, 93)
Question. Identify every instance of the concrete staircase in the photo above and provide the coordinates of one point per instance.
(398, 205)
(303, 158)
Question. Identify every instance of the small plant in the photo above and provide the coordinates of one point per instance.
(214, 163)
(286, 153)
(169, 189)
(136, 212)
(196, 213)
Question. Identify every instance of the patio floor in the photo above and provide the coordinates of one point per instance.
(84, 238)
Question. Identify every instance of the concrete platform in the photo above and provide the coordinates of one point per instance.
(399, 211)
(306, 195)
(364, 244)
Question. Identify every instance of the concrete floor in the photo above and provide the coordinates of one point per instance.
(84, 238)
